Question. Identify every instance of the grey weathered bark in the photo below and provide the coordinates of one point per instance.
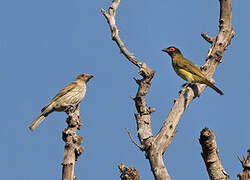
(245, 162)
(143, 117)
(128, 173)
(210, 155)
(72, 143)
(154, 147)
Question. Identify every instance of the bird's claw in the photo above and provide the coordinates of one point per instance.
(69, 109)
(184, 85)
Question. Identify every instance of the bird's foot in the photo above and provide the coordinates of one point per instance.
(191, 85)
(69, 109)
(185, 85)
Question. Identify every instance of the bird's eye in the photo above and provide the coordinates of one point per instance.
(172, 49)
(83, 75)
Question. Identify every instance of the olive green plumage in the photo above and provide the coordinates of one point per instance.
(188, 70)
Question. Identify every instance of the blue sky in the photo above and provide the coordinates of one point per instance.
(45, 44)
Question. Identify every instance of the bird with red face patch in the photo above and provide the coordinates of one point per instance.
(188, 70)
(70, 96)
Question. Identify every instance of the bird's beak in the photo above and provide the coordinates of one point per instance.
(165, 50)
(90, 76)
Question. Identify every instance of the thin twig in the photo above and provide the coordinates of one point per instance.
(208, 38)
(132, 139)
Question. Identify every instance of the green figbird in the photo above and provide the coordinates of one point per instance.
(188, 70)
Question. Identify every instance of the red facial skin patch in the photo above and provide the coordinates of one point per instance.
(171, 49)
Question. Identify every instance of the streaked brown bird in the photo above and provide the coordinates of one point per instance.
(71, 95)
(188, 70)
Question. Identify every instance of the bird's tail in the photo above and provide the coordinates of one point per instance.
(214, 87)
(36, 122)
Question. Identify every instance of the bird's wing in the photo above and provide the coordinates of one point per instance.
(65, 90)
(190, 67)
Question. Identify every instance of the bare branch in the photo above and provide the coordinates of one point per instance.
(143, 117)
(128, 173)
(245, 162)
(132, 139)
(210, 155)
(186, 96)
(208, 38)
(115, 35)
(72, 143)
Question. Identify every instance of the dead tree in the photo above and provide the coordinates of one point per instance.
(155, 146)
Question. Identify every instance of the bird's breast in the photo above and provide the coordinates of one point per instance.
(71, 98)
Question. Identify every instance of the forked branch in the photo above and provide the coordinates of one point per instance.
(143, 116)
